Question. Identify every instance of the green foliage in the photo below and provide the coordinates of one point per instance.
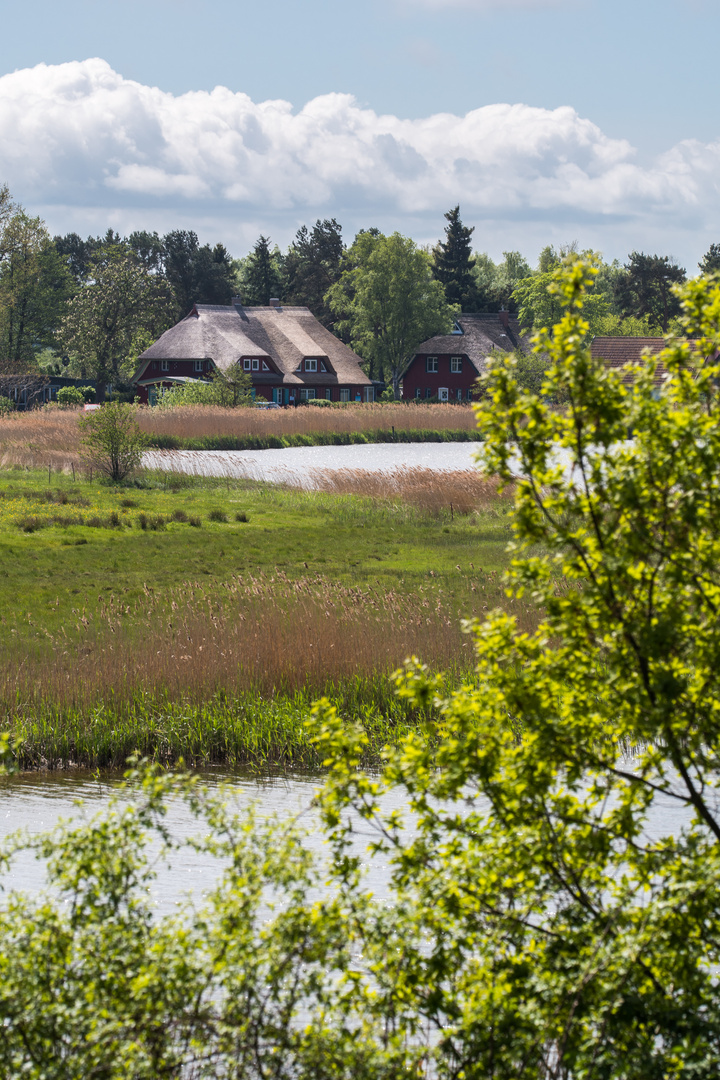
(452, 263)
(646, 289)
(312, 266)
(112, 443)
(118, 301)
(539, 299)
(710, 262)
(230, 389)
(70, 395)
(390, 302)
(261, 277)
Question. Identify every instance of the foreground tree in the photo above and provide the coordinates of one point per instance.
(547, 916)
(390, 303)
(230, 389)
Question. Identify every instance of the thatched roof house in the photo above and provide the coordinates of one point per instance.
(289, 355)
(446, 366)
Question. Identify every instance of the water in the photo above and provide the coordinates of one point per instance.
(36, 802)
(297, 464)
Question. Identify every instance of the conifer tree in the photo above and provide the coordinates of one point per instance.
(261, 279)
(452, 263)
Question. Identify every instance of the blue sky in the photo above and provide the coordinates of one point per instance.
(617, 145)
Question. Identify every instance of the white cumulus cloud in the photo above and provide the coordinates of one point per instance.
(81, 138)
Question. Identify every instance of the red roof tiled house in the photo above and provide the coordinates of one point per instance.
(447, 366)
(287, 353)
(616, 352)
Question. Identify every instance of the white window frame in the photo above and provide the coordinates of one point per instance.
(369, 393)
(456, 364)
(328, 395)
(264, 366)
(344, 393)
(323, 365)
(199, 365)
(310, 364)
(418, 392)
(247, 365)
(164, 365)
(307, 393)
(431, 364)
(256, 365)
(459, 395)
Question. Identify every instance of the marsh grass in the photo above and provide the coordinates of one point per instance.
(51, 437)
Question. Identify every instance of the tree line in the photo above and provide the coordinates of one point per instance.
(87, 308)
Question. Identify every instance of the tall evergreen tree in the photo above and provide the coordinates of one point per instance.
(261, 278)
(452, 263)
(710, 262)
(313, 265)
(645, 288)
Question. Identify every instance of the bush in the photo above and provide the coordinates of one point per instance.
(217, 515)
(112, 442)
(70, 395)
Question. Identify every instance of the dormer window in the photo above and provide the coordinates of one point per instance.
(457, 329)
(256, 365)
(323, 366)
(310, 364)
(247, 365)
(264, 366)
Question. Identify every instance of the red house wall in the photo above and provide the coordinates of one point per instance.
(417, 377)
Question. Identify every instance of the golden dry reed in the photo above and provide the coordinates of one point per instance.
(267, 634)
(51, 436)
(466, 490)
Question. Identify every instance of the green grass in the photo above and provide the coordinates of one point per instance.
(142, 549)
(315, 438)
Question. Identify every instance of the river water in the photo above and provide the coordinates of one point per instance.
(296, 465)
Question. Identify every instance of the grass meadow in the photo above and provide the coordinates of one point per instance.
(196, 617)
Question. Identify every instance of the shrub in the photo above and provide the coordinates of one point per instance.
(241, 516)
(70, 395)
(179, 515)
(217, 515)
(112, 442)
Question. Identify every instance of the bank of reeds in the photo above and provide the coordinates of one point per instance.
(51, 437)
(459, 492)
(228, 679)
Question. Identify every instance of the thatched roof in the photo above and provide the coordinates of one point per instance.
(282, 336)
(481, 334)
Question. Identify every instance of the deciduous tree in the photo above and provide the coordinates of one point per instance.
(391, 303)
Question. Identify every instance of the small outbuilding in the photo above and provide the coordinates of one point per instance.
(447, 366)
(288, 354)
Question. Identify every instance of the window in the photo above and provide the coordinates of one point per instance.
(264, 366)
(247, 364)
(328, 395)
(344, 394)
(428, 392)
(310, 365)
(199, 365)
(256, 365)
(322, 366)
(457, 329)
(469, 394)
(459, 395)
(418, 393)
(369, 393)
(431, 363)
(306, 394)
(164, 365)
(456, 364)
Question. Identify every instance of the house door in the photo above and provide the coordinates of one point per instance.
(443, 393)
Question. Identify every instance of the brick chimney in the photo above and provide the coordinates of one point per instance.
(504, 317)
(274, 302)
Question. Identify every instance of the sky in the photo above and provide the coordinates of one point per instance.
(547, 121)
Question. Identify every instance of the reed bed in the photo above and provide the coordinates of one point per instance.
(208, 421)
(51, 437)
(460, 492)
(226, 676)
